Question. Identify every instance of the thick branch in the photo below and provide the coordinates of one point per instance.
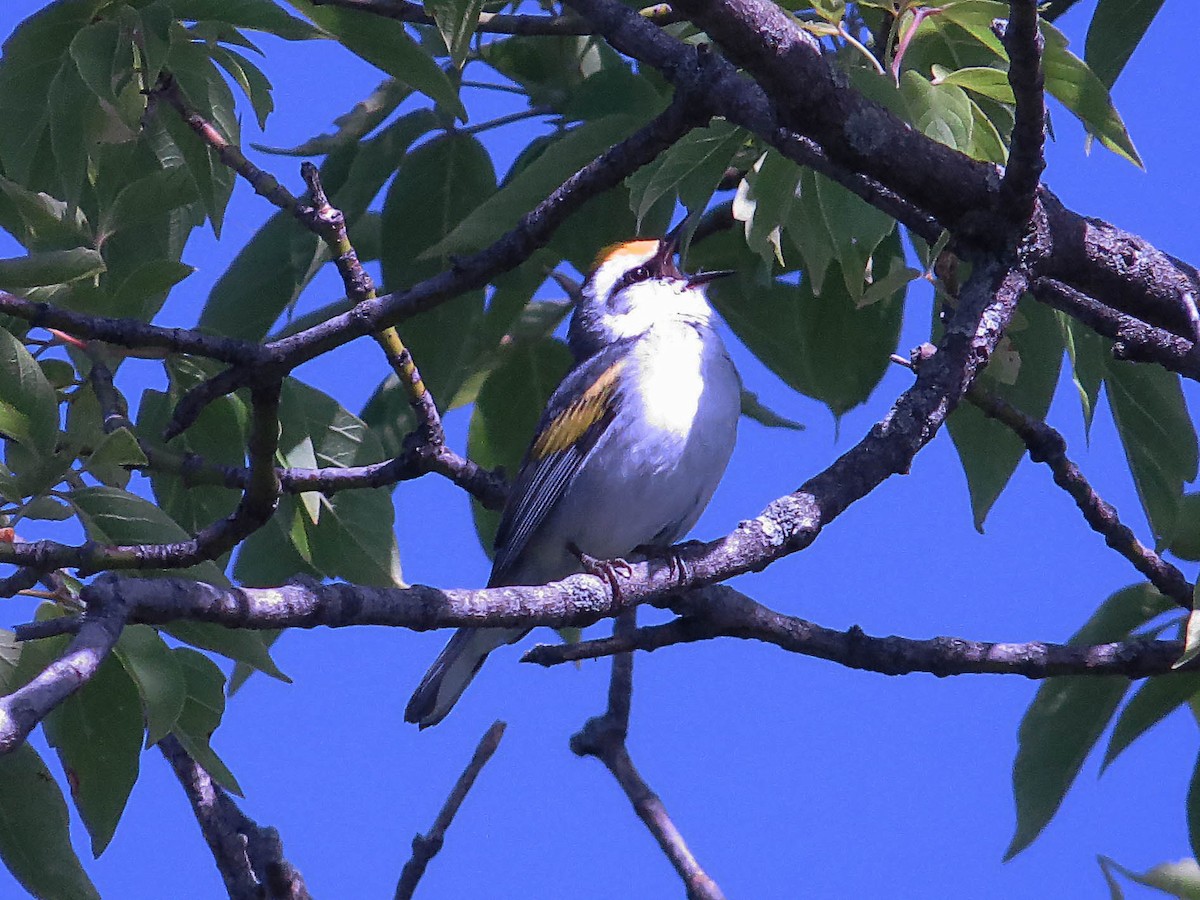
(98, 631)
(248, 856)
(720, 611)
(426, 846)
(857, 135)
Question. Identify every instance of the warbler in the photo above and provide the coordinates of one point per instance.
(629, 449)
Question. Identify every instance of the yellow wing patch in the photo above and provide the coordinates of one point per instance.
(625, 248)
(570, 425)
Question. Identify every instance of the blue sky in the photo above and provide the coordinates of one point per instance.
(788, 776)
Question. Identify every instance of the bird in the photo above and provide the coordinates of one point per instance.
(628, 452)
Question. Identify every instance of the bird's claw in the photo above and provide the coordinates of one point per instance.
(604, 568)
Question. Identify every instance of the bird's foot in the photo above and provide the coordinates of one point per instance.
(604, 568)
(679, 568)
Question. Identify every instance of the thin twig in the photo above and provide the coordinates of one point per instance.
(533, 231)
(426, 846)
(603, 737)
(248, 856)
(1047, 445)
(1133, 338)
(720, 611)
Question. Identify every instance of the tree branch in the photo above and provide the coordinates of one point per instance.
(603, 737)
(1026, 159)
(532, 232)
(257, 503)
(98, 630)
(1134, 339)
(1046, 445)
(426, 846)
(721, 611)
(248, 856)
(856, 135)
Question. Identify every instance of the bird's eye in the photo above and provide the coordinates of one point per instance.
(633, 276)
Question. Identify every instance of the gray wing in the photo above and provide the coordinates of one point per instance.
(578, 412)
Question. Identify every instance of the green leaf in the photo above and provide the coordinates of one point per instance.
(10, 655)
(155, 673)
(1068, 78)
(75, 123)
(141, 293)
(988, 450)
(249, 78)
(218, 436)
(825, 347)
(97, 732)
(456, 21)
(1088, 353)
(35, 842)
(353, 537)
(207, 91)
(446, 179)
(550, 69)
(1069, 714)
(28, 404)
(506, 414)
(689, 169)
(763, 203)
(116, 517)
(239, 644)
(827, 224)
(103, 57)
(984, 80)
(1185, 543)
(1117, 27)
(1073, 84)
(754, 408)
(385, 43)
(110, 460)
(146, 199)
(34, 54)
(1157, 698)
(282, 258)
(257, 15)
(201, 714)
(277, 551)
(39, 221)
(939, 111)
(1158, 436)
(46, 508)
(49, 267)
(561, 159)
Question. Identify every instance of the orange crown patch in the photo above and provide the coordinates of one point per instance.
(625, 248)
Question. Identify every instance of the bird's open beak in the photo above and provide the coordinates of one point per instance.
(664, 259)
(705, 277)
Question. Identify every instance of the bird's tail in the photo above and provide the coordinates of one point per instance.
(453, 670)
